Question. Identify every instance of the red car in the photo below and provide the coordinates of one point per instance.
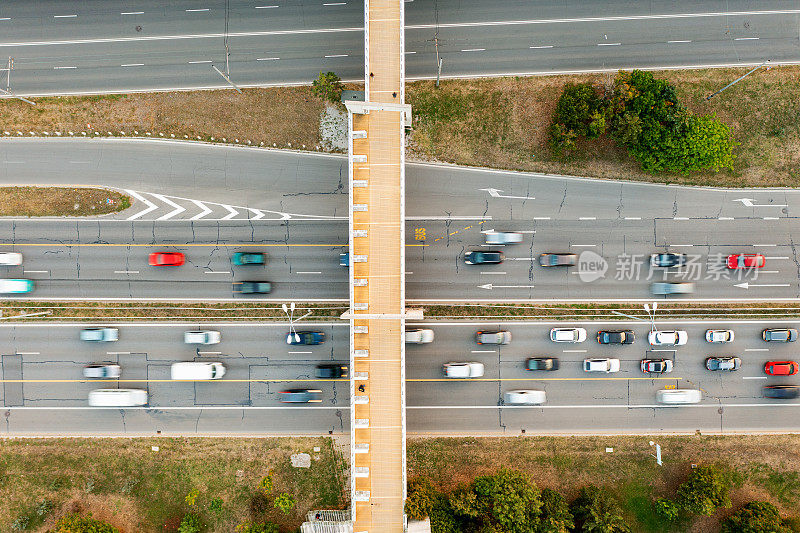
(746, 261)
(167, 259)
(781, 368)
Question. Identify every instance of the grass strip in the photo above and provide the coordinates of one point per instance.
(60, 201)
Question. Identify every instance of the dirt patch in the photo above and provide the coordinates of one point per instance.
(60, 201)
(765, 467)
(123, 481)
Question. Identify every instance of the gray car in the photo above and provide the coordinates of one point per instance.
(551, 259)
(779, 335)
(672, 287)
(301, 396)
(723, 363)
(101, 371)
(493, 337)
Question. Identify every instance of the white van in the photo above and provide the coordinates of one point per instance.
(525, 397)
(117, 397)
(197, 370)
(678, 396)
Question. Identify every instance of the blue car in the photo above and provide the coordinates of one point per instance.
(344, 260)
(305, 337)
(249, 258)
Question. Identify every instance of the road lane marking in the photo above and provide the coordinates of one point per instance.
(609, 44)
(173, 245)
(756, 349)
(132, 13)
(681, 245)
(584, 245)
(126, 272)
(198, 62)
(775, 258)
(483, 351)
(541, 218)
(337, 55)
(633, 218)
(63, 68)
(64, 16)
(574, 351)
(117, 353)
(746, 38)
(217, 272)
(266, 7)
(35, 271)
(196, 10)
(335, 4)
(493, 273)
(587, 218)
(133, 65)
(677, 42)
(208, 353)
(321, 272)
(754, 377)
(474, 50)
(724, 218)
(301, 352)
(267, 58)
(28, 353)
(541, 47)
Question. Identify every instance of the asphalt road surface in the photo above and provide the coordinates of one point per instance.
(107, 259)
(144, 45)
(44, 393)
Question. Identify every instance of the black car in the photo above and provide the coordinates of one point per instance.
(616, 337)
(541, 363)
(781, 392)
(305, 337)
(330, 371)
(252, 287)
(667, 260)
(779, 335)
(551, 260)
(483, 258)
(300, 396)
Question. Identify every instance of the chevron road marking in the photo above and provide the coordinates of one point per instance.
(204, 212)
(176, 208)
(150, 205)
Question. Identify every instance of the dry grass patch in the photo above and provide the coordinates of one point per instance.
(139, 491)
(277, 115)
(504, 123)
(764, 467)
(60, 201)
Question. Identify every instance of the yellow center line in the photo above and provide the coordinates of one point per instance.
(425, 380)
(173, 245)
(270, 380)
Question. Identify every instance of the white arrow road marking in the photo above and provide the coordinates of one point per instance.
(489, 286)
(231, 212)
(150, 205)
(748, 202)
(205, 210)
(176, 208)
(746, 285)
(509, 231)
(495, 193)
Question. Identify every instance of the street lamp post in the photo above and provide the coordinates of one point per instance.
(290, 314)
(651, 315)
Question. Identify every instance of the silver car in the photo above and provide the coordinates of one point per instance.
(101, 371)
(419, 336)
(202, 337)
(503, 237)
(672, 287)
(100, 334)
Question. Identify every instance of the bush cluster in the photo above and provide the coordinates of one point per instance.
(642, 114)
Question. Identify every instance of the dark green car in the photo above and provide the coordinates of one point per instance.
(252, 287)
(249, 258)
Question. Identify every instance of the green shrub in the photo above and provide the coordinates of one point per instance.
(258, 527)
(75, 523)
(216, 505)
(556, 516)
(667, 509)
(327, 86)
(595, 511)
(707, 489)
(509, 500)
(190, 523)
(755, 517)
(284, 503)
(422, 496)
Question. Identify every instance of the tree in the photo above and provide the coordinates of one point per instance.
(190, 523)
(667, 509)
(508, 500)
(422, 496)
(595, 511)
(327, 86)
(284, 502)
(706, 489)
(580, 109)
(707, 145)
(755, 517)
(75, 523)
(555, 516)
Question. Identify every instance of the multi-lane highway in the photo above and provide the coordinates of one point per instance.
(44, 392)
(144, 45)
(211, 201)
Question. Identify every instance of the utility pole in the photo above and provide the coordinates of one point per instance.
(737, 80)
(227, 74)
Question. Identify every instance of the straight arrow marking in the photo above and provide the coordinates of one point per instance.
(748, 202)
(150, 205)
(495, 193)
(746, 285)
(490, 286)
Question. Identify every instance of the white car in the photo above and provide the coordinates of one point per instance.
(99, 334)
(667, 338)
(719, 336)
(419, 336)
(13, 286)
(601, 365)
(567, 334)
(463, 370)
(10, 258)
(524, 397)
(678, 396)
(503, 237)
(102, 371)
(202, 337)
